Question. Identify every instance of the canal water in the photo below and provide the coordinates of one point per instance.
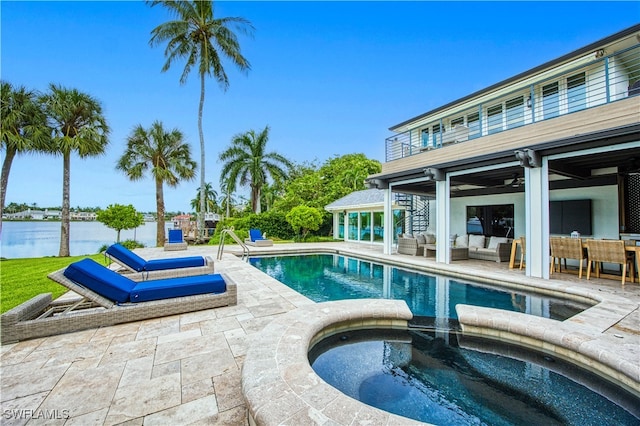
(42, 238)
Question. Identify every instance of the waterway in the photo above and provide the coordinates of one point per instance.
(41, 238)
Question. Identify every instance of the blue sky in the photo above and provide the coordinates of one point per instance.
(329, 78)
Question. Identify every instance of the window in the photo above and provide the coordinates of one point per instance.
(456, 121)
(494, 119)
(515, 112)
(378, 226)
(550, 100)
(437, 136)
(365, 226)
(576, 92)
(425, 138)
(341, 225)
(353, 226)
(473, 122)
(491, 220)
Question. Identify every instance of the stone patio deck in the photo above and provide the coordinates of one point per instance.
(187, 368)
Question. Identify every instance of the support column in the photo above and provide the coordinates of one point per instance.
(442, 221)
(387, 239)
(537, 220)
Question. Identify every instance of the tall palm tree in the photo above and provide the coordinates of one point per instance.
(23, 129)
(228, 188)
(165, 155)
(78, 126)
(201, 39)
(248, 163)
(211, 197)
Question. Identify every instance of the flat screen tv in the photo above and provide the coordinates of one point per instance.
(570, 215)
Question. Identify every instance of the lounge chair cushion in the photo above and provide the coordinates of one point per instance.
(255, 235)
(175, 236)
(90, 274)
(178, 262)
(126, 256)
(178, 287)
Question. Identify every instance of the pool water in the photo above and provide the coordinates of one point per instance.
(431, 298)
(446, 379)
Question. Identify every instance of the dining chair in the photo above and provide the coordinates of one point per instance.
(523, 245)
(566, 248)
(609, 251)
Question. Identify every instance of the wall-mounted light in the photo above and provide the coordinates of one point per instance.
(528, 158)
(529, 102)
(433, 174)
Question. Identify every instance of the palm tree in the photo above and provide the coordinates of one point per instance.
(248, 163)
(165, 155)
(23, 129)
(211, 197)
(78, 126)
(228, 188)
(200, 38)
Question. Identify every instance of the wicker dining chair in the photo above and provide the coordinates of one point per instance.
(609, 251)
(566, 248)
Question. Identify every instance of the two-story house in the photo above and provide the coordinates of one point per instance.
(551, 149)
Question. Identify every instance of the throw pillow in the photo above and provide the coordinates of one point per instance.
(431, 238)
(421, 239)
(476, 241)
(494, 241)
(462, 241)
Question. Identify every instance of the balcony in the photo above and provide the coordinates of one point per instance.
(587, 83)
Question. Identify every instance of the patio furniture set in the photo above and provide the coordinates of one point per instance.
(496, 249)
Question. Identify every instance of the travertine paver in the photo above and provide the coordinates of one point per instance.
(187, 368)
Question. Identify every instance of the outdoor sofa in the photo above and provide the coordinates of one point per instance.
(108, 298)
(138, 269)
(496, 249)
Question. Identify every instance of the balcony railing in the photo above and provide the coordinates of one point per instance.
(600, 81)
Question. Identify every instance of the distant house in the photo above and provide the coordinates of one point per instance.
(86, 216)
(31, 214)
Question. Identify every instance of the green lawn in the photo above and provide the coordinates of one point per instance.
(22, 279)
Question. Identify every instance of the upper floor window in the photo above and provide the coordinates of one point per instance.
(515, 112)
(550, 100)
(473, 123)
(494, 119)
(576, 92)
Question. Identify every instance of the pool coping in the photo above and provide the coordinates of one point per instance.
(278, 383)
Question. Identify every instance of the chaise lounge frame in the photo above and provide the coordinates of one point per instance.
(41, 317)
(132, 274)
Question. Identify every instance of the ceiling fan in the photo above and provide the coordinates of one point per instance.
(516, 182)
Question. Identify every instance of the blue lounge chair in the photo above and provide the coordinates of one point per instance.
(256, 238)
(175, 241)
(158, 268)
(109, 298)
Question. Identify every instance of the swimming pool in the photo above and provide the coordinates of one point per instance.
(431, 298)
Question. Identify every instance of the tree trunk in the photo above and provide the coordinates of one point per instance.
(202, 184)
(160, 235)
(118, 236)
(4, 179)
(64, 227)
(257, 209)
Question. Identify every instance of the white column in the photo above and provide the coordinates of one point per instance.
(537, 220)
(442, 221)
(387, 239)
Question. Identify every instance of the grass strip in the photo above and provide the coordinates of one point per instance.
(22, 279)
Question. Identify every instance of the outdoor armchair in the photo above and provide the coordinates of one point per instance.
(256, 238)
